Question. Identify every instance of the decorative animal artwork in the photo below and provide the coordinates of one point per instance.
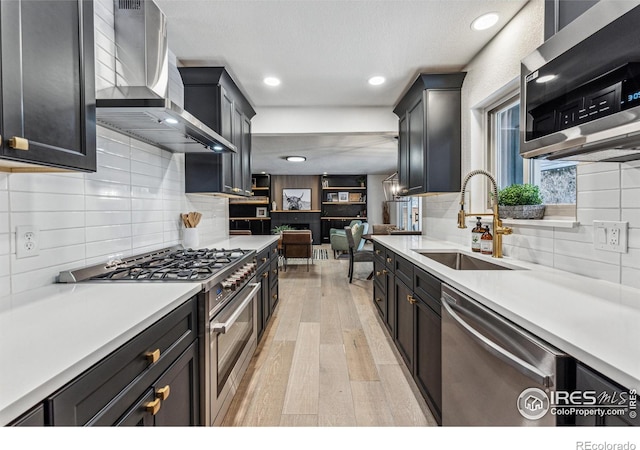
(296, 199)
(295, 203)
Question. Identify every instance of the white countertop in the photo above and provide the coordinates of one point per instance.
(594, 321)
(50, 335)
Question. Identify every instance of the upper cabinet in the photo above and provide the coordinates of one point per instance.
(213, 97)
(560, 13)
(47, 88)
(429, 135)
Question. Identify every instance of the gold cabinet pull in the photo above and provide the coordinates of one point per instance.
(264, 259)
(163, 392)
(153, 356)
(389, 260)
(19, 143)
(275, 271)
(410, 299)
(152, 407)
(377, 252)
(378, 299)
(378, 273)
(385, 271)
(275, 296)
(265, 275)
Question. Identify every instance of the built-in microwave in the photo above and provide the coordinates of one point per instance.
(581, 89)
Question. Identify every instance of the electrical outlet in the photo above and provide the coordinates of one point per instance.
(27, 241)
(610, 236)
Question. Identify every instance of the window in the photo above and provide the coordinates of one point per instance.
(409, 214)
(556, 180)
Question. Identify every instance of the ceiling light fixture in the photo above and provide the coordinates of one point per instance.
(376, 81)
(545, 78)
(171, 120)
(485, 21)
(296, 158)
(271, 81)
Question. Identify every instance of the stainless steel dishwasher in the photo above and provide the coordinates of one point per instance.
(494, 373)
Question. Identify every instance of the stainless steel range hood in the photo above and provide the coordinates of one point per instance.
(139, 104)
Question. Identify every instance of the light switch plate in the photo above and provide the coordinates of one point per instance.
(610, 236)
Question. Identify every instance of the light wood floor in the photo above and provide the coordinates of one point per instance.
(326, 358)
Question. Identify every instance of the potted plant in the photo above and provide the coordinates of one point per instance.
(520, 201)
(280, 228)
(362, 180)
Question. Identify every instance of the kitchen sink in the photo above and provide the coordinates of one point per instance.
(462, 261)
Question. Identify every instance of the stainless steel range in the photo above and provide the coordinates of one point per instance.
(227, 310)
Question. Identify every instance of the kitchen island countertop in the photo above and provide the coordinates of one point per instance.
(595, 321)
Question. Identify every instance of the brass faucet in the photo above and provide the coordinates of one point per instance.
(498, 229)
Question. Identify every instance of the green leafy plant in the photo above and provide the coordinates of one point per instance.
(280, 228)
(519, 194)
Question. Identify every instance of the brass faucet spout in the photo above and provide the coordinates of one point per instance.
(498, 229)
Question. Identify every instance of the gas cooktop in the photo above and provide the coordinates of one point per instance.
(170, 264)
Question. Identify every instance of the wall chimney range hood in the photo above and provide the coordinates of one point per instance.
(139, 105)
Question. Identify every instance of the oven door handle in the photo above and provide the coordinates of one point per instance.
(223, 327)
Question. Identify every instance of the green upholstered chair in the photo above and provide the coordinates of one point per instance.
(356, 255)
(338, 238)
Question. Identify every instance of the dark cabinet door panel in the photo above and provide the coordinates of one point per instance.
(404, 322)
(48, 93)
(416, 148)
(428, 364)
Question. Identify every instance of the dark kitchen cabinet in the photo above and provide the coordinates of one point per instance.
(267, 273)
(47, 87)
(428, 356)
(161, 360)
(404, 333)
(408, 300)
(213, 97)
(429, 135)
(588, 379)
(32, 418)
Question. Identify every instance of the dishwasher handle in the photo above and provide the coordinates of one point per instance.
(505, 356)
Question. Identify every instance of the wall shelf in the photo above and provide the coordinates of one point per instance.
(335, 214)
(243, 212)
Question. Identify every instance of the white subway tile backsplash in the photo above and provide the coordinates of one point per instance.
(138, 229)
(108, 247)
(5, 265)
(114, 161)
(107, 189)
(631, 198)
(631, 258)
(599, 199)
(599, 181)
(61, 237)
(594, 167)
(38, 201)
(149, 170)
(147, 216)
(5, 286)
(47, 258)
(47, 183)
(94, 203)
(586, 251)
(49, 220)
(631, 177)
(97, 234)
(5, 246)
(110, 175)
(98, 218)
(4, 181)
(586, 216)
(4, 223)
(4, 201)
(631, 277)
(593, 269)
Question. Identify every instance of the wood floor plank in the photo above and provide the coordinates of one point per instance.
(359, 359)
(370, 404)
(380, 342)
(299, 420)
(402, 402)
(302, 391)
(288, 325)
(266, 407)
(335, 407)
(312, 297)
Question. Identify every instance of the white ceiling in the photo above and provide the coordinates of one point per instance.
(324, 51)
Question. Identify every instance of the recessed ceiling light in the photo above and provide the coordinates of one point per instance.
(296, 158)
(217, 148)
(545, 78)
(271, 81)
(171, 120)
(376, 81)
(485, 21)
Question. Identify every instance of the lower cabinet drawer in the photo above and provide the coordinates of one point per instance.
(273, 274)
(101, 395)
(380, 299)
(32, 418)
(274, 297)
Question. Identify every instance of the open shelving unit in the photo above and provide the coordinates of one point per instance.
(344, 198)
(252, 213)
